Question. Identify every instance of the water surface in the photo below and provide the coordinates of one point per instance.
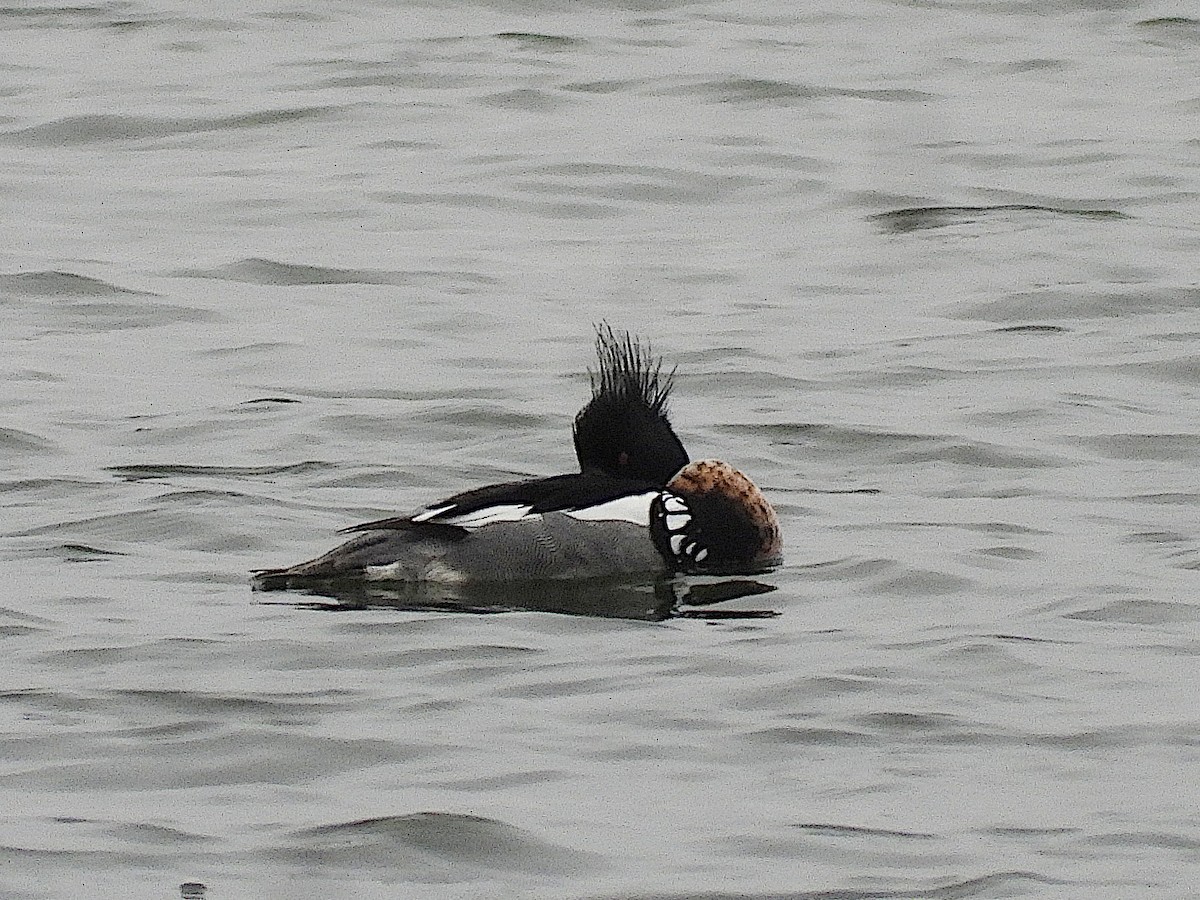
(929, 275)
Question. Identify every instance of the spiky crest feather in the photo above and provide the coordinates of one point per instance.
(629, 371)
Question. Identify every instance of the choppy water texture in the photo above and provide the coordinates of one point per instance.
(929, 272)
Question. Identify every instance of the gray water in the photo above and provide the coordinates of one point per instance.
(929, 273)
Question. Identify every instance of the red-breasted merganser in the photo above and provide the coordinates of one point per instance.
(637, 505)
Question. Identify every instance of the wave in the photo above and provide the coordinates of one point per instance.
(102, 128)
(56, 283)
(438, 840)
(1031, 307)
(770, 91)
(921, 218)
(257, 270)
(895, 447)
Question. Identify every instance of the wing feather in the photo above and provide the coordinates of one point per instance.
(515, 500)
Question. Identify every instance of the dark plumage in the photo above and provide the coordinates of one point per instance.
(624, 429)
(541, 495)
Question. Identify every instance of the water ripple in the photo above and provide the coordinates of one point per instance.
(452, 845)
(159, 471)
(13, 440)
(99, 128)
(62, 284)
(996, 884)
(921, 218)
(271, 272)
(1082, 305)
(1170, 31)
(768, 91)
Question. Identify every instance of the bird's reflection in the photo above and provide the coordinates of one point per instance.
(647, 600)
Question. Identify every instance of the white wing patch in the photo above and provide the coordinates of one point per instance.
(507, 512)
(634, 508)
(431, 512)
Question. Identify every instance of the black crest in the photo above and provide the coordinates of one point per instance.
(624, 429)
(629, 372)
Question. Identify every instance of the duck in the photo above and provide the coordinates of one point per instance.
(637, 505)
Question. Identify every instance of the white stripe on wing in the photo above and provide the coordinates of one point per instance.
(508, 512)
(634, 508)
(431, 512)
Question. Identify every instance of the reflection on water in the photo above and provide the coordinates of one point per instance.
(609, 598)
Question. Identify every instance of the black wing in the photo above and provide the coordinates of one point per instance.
(540, 495)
